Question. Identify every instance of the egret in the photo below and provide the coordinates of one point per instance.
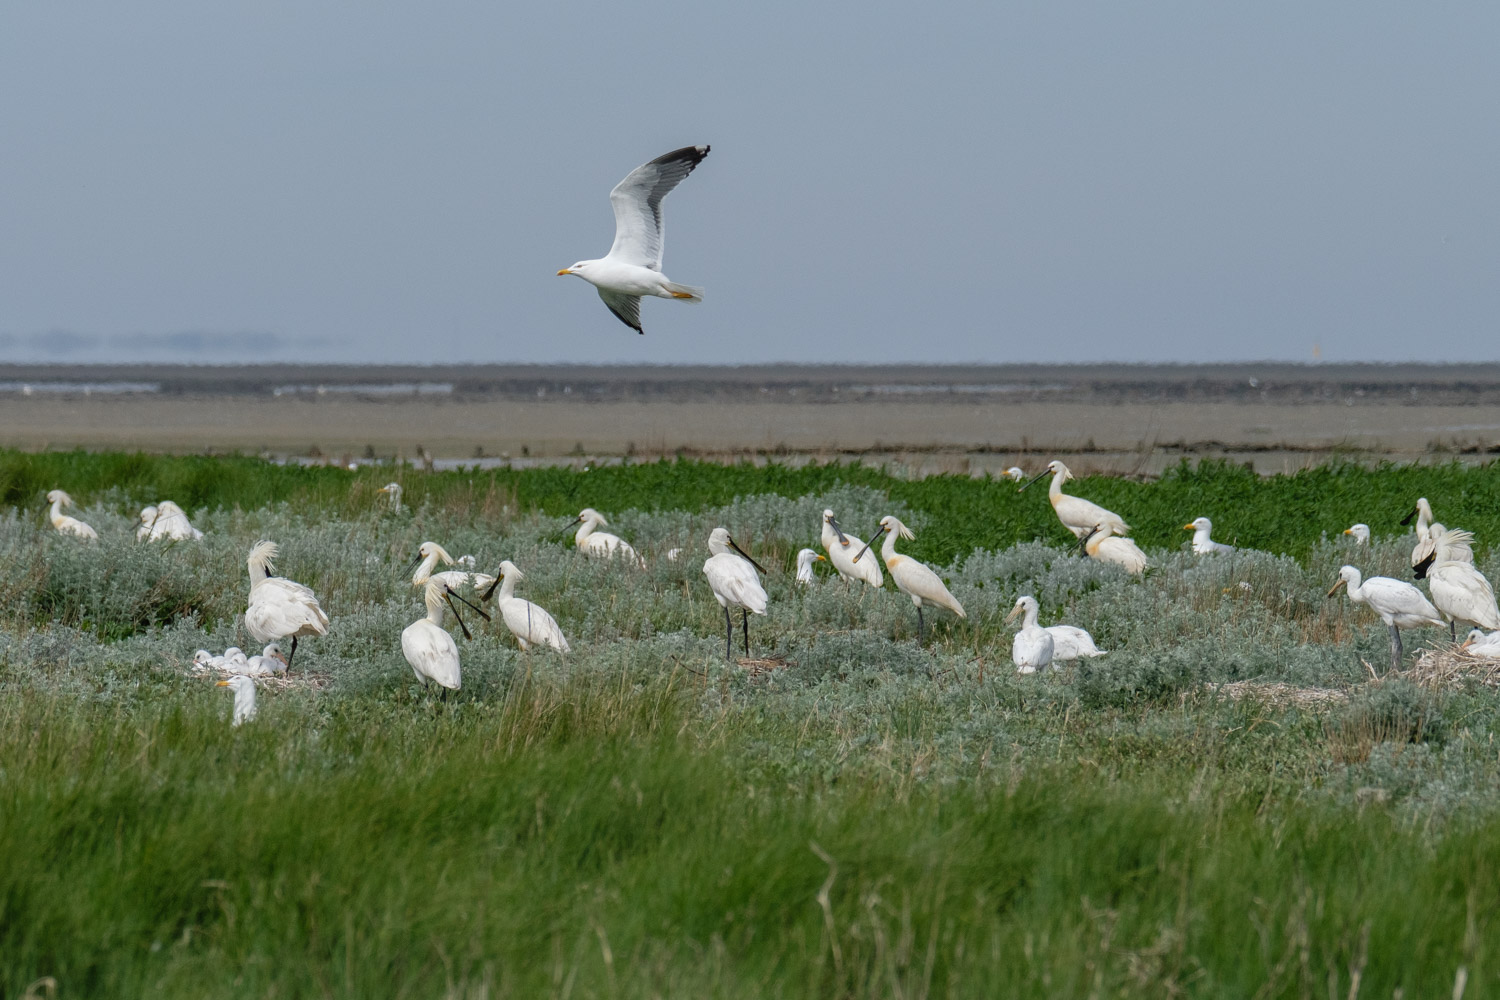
(1080, 516)
(1104, 546)
(166, 520)
(912, 578)
(393, 490)
(279, 607)
(841, 554)
(1360, 533)
(1015, 474)
(1459, 590)
(733, 579)
(1399, 604)
(1069, 642)
(244, 697)
(1479, 644)
(1033, 647)
(428, 647)
(526, 621)
(632, 268)
(592, 542)
(1203, 545)
(427, 557)
(65, 524)
(805, 560)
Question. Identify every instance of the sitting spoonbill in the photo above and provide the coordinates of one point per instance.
(1102, 545)
(428, 647)
(912, 578)
(1360, 533)
(1479, 644)
(1203, 545)
(427, 557)
(1399, 605)
(279, 607)
(841, 554)
(1069, 642)
(244, 698)
(65, 524)
(526, 621)
(592, 542)
(166, 520)
(1033, 647)
(1459, 590)
(732, 578)
(805, 560)
(392, 490)
(1078, 515)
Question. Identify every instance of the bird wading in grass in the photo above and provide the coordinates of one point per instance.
(1102, 545)
(1399, 604)
(64, 523)
(735, 583)
(428, 647)
(914, 579)
(429, 554)
(280, 608)
(528, 622)
(593, 542)
(1459, 590)
(1033, 648)
(1069, 642)
(632, 268)
(841, 551)
(1078, 515)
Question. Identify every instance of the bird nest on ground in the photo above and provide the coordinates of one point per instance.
(1279, 695)
(1449, 668)
(304, 679)
(757, 667)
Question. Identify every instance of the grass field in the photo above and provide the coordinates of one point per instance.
(850, 815)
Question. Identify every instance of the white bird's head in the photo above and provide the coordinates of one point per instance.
(719, 543)
(238, 683)
(1056, 467)
(272, 651)
(148, 516)
(509, 571)
(581, 268)
(805, 560)
(1349, 576)
(262, 555)
(590, 514)
(1199, 524)
(1360, 533)
(58, 496)
(891, 523)
(1015, 474)
(1023, 604)
(428, 550)
(1475, 635)
(202, 657)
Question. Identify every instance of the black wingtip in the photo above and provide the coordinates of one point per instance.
(692, 155)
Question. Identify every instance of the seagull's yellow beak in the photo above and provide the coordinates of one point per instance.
(566, 270)
(1187, 527)
(1348, 531)
(822, 559)
(222, 684)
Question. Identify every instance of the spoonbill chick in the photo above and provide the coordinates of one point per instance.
(392, 490)
(733, 579)
(1069, 642)
(1078, 515)
(1459, 590)
(841, 554)
(428, 647)
(279, 608)
(1104, 546)
(270, 660)
(244, 698)
(65, 524)
(1479, 644)
(1399, 604)
(1033, 647)
(427, 557)
(1015, 474)
(526, 621)
(805, 560)
(912, 578)
(593, 542)
(1360, 533)
(1202, 544)
(203, 660)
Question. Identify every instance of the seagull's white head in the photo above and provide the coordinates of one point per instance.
(1015, 474)
(581, 268)
(1199, 524)
(1360, 533)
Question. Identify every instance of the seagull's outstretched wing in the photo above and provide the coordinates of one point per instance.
(637, 203)
(626, 307)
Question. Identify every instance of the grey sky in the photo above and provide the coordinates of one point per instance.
(888, 182)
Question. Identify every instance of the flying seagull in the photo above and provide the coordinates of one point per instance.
(632, 267)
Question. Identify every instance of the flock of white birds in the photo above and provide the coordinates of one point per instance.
(279, 609)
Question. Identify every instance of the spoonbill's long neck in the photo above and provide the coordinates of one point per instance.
(585, 530)
(1424, 518)
(57, 513)
(1054, 492)
(1355, 586)
(1029, 616)
(424, 570)
(258, 573)
(888, 547)
(508, 586)
(435, 610)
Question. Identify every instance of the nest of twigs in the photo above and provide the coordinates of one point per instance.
(1281, 695)
(1452, 668)
(304, 679)
(755, 668)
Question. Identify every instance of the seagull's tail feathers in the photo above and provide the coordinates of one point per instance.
(691, 293)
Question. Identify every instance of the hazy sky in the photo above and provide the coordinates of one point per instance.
(889, 182)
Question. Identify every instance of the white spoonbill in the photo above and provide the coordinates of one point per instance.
(429, 554)
(1428, 530)
(1459, 590)
(279, 608)
(1359, 532)
(632, 268)
(593, 542)
(1203, 545)
(392, 490)
(805, 560)
(733, 579)
(842, 551)
(1479, 644)
(1069, 642)
(65, 524)
(1104, 546)
(428, 647)
(244, 698)
(526, 621)
(912, 578)
(1399, 604)
(1078, 515)
(1033, 647)
(166, 520)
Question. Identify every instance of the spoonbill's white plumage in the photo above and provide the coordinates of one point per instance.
(735, 583)
(1109, 548)
(1034, 647)
(805, 560)
(632, 268)
(1459, 590)
(1069, 642)
(269, 660)
(1078, 515)
(1359, 532)
(1424, 552)
(528, 622)
(841, 551)
(279, 608)
(429, 554)
(244, 698)
(166, 520)
(148, 523)
(66, 524)
(1479, 644)
(914, 579)
(593, 542)
(428, 647)
(1203, 545)
(1399, 604)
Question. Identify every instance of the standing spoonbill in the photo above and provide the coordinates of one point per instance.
(1399, 604)
(1479, 644)
(593, 542)
(805, 560)
(1360, 533)
(65, 524)
(1078, 515)
(1069, 642)
(279, 608)
(1459, 590)
(526, 621)
(1104, 546)
(733, 579)
(244, 698)
(427, 557)
(1203, 545)
(1033, 647)
(912, 578)
(428, 647)
(841, 554)
(1428, 530)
